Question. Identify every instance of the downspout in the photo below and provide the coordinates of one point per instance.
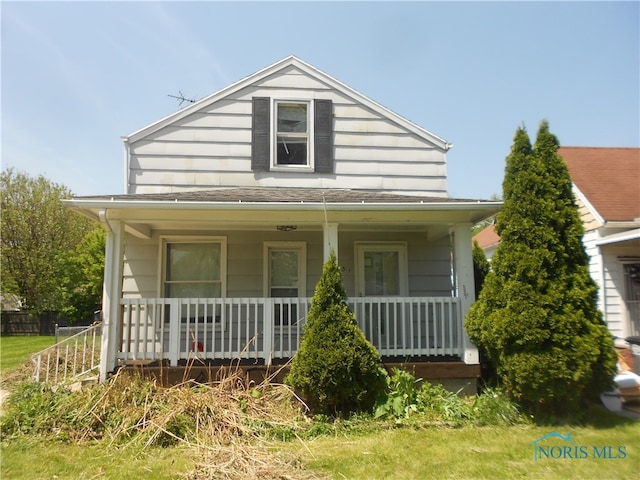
(102, 215)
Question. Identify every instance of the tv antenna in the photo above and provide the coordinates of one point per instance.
(181, 98)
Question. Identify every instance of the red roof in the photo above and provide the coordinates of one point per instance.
(487, 237)
(608, 177)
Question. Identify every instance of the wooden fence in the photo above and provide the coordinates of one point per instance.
(28, 323)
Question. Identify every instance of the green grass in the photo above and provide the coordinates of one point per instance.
(15, 351)
(469, 452)
(404, 453)
(357, 450)
(40, 458)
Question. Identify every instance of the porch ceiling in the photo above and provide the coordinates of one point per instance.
(262, 208)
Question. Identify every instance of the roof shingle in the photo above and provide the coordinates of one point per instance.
(280, 195)
(608, 177)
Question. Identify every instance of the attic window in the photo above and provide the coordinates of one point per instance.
(292, 134)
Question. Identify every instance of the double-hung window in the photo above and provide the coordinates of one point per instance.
(292, 134)
(194, 268)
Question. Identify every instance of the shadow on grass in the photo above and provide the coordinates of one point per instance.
(593, 415)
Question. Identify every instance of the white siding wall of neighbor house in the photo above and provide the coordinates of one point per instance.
(607, 270)
(212, 147)
(428, 267)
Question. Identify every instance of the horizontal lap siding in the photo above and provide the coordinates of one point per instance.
(612, 291)
(212, 148)
(428, 262)
(244, 262)
(429, 266)
(140, 268)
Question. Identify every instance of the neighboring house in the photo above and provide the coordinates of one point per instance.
(488, 240)
(606, 184)
(233, 203)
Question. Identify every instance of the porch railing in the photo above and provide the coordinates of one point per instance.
(265, 329)
(70, 359)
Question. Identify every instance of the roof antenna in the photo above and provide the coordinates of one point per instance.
(181, 98)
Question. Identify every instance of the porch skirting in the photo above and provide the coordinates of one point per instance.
(453, 375)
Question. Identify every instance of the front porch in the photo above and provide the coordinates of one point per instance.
(267, 331)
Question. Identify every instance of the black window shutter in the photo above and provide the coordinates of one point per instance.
(260, 134)
(323, 136)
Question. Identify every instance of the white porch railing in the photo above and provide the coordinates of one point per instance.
(70, 359)
(264, 329)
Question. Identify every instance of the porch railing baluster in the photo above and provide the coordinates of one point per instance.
(268, 328)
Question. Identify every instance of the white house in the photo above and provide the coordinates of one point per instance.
(606, 183)
(233, 203)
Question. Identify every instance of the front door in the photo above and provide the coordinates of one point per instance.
(285, 278)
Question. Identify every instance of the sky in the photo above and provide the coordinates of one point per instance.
(77, 76)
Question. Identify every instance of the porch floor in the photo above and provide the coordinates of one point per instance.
(454, 375)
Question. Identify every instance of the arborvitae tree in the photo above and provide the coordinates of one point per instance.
(336, 369)
(481, 266)
(537, 314)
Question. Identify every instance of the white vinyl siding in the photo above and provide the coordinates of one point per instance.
(429, 269)
(212, 147)
(606, 267)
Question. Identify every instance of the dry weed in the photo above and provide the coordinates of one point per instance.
(240, 461)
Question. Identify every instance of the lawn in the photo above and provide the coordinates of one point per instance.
(41, 458)
(419, 451)
(404, 453)
(15, 351)
(472, 452)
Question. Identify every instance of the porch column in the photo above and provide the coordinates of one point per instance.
(111, 294)
(330, 231)
(463, 262)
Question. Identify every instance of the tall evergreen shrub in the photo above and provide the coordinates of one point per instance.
(537, 314)
(336, 369)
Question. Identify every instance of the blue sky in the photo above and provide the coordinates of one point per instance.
(76, 76)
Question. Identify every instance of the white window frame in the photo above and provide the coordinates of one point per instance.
(399, 247)
(301, 248)
(309, 166)
(172, 239)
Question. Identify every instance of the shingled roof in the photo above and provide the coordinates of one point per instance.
(487, 237)
(608, 177)
(278, 195)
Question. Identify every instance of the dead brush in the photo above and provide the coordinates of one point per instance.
(240, 460)
(142, 412)
(229, 423)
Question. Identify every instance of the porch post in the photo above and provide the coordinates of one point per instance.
(463, 262)
(330, 231)
(111, 294)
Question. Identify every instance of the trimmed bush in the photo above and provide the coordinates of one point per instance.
(336, 370)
